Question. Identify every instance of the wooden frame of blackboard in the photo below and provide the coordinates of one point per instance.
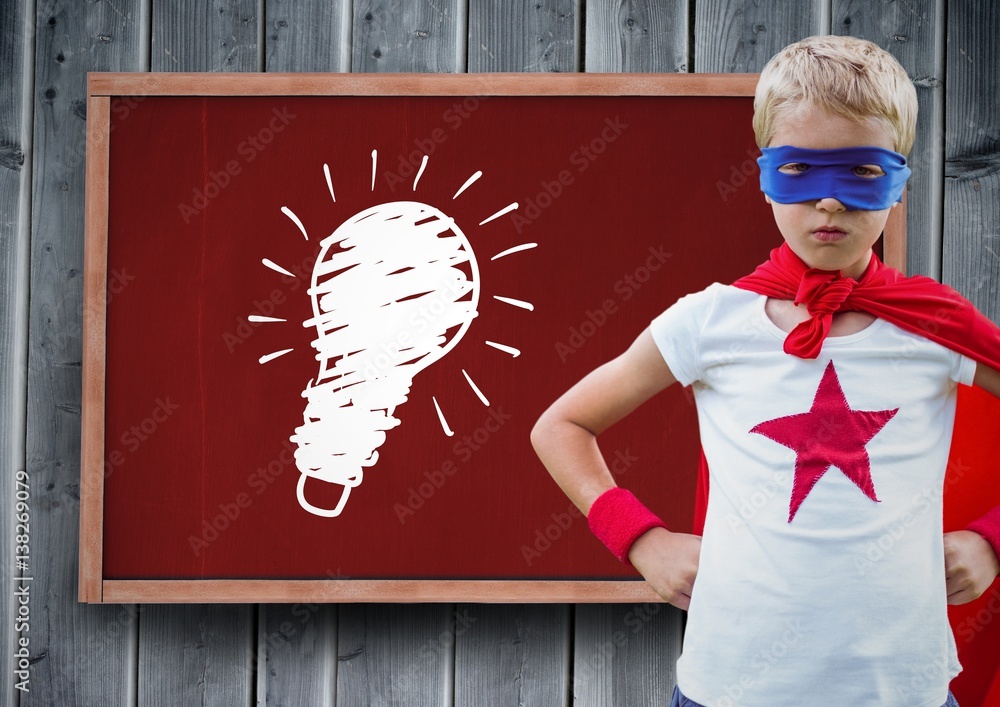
(102, 87)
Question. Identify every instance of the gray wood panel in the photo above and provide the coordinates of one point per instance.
(16, 45)
(85, 654)
(297, 655)
(637, 36)
(412, 36)
(910, 32)
(512, 655)
(196, 654)
(972, 168)
(524, 35)
(741, 35)
(397, 654)
(311, 36)
(193, 35)
(625, 654)
(200, 654)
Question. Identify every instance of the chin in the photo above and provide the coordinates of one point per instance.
(827, 259)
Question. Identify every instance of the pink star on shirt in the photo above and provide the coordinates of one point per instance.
(830, 434)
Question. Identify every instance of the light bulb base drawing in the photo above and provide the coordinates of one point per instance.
(300, 492)
(394, 289)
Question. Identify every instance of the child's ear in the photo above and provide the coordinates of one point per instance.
(896, 203)
(767, 199)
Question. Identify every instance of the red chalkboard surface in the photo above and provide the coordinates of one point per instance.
(578, 214)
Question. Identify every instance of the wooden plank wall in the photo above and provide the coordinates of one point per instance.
(462, 654)
(15, 184)
(972, 156)
(81, 656)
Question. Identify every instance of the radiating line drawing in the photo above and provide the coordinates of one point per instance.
(394, 288)
(468, 183)
(515, 249)
(329, 182)
(475, 389)
(295, 219)
(515, 302)
(276, 267)
(506, 349)
(272, 356)
(423, 164)
(444, 423)
(505, 210)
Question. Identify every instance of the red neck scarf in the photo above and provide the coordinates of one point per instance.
(918, 304)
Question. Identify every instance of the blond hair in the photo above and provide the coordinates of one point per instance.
(847, 76)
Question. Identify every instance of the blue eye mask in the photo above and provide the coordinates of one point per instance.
(830, 173)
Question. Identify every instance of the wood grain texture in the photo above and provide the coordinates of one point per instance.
(355, 591)
(412, 36)
(637, 35)
(397, 654)
(95, 282)
(15, 181)
(297, 655)
(524, 35)
(513, 655)
(196, 655)
(506, 84)
(742, 35)
(84, 654)
(909, 32)
(625, 654)
(307, 36)
(193, 35)
(971, 261)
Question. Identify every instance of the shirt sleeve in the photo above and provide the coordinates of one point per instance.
(677, 333)
(963, 369)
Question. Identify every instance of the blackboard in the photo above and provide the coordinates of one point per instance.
(563, 212)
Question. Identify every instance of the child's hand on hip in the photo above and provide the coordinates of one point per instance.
(669, 562)
(970, 565)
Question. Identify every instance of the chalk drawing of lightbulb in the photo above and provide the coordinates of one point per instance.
(395, 288)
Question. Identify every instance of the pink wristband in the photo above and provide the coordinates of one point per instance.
(989, 527)
(618, 518)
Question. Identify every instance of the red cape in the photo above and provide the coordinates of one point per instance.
(937, 312)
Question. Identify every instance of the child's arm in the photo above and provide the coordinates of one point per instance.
(565, 440)
(988, 379)
(970, 561)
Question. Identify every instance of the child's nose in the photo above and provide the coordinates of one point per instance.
(830, 204)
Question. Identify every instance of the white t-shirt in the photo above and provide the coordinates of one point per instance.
(844, 604)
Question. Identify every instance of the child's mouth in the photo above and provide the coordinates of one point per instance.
(829, 234)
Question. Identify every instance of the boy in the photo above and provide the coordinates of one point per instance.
(845, 402)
